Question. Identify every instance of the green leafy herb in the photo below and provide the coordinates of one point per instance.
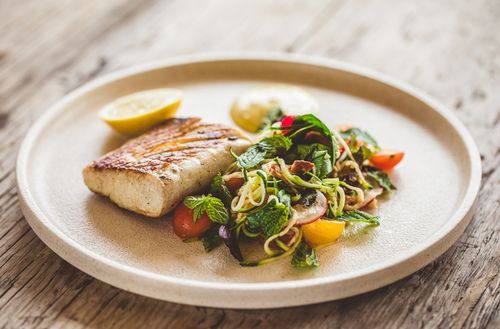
(311, 119)
(305, 151)
(362, 153)
(274, 115)
(265, 149)
(322, 163)
(319, 154)
(305, 256)
(381, 178)
(211, 239)
(212, 206)
(219, 189)
(285, 198)
(230, 238)
(360, 217)
(270, 219)
(358, 134)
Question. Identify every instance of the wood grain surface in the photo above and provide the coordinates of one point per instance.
(449, 49)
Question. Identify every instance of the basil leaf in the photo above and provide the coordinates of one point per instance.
(322, 163)
(305, 151)
(219, 189)
(305, 256)
(311, 119)
(381, 178)
(319, 154)
(270, 219)
(285, 198)
(265, 149)
(360, 217)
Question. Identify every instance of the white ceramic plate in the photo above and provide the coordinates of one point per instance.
(437, 183)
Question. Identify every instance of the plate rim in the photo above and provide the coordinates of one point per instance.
(58, 241)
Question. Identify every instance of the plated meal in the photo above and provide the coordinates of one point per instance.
(290, 189)
(168, 167)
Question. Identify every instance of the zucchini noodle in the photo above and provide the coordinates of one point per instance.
(353, 164)
(285, 254)
(271, 252)
(360, 196)
(291, 177)
(252, 193)
(294, 179)
(335, 195)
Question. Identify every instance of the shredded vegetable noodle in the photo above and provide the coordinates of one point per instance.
(295, 190)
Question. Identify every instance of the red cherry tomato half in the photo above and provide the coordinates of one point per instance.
(386, 160)
(287, 121)
(184, 225)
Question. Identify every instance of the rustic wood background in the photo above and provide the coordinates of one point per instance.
(450, 49)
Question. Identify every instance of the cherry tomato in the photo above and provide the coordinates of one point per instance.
(321, 231)
(184, 225)
(386, 160)
(287, 121)
(234, 183)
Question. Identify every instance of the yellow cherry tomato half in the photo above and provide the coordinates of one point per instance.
(322, 231)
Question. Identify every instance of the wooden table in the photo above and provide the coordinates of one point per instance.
(449, 49)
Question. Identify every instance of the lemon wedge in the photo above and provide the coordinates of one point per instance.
(135, 113)
(252, 106)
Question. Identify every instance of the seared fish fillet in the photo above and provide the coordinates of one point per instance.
(152, 173)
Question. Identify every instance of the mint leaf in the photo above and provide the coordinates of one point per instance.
(219, 189)
(192, 201)
(212, 206)
(381, 178)
(197, 204)
(216, 211)
(305, 256)
(270, 219)
(265, 149)
(360, 217)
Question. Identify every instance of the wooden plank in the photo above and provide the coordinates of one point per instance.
(449, 50)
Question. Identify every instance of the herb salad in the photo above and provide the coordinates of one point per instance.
(293, 191)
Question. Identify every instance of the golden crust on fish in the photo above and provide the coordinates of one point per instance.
(152, 173)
